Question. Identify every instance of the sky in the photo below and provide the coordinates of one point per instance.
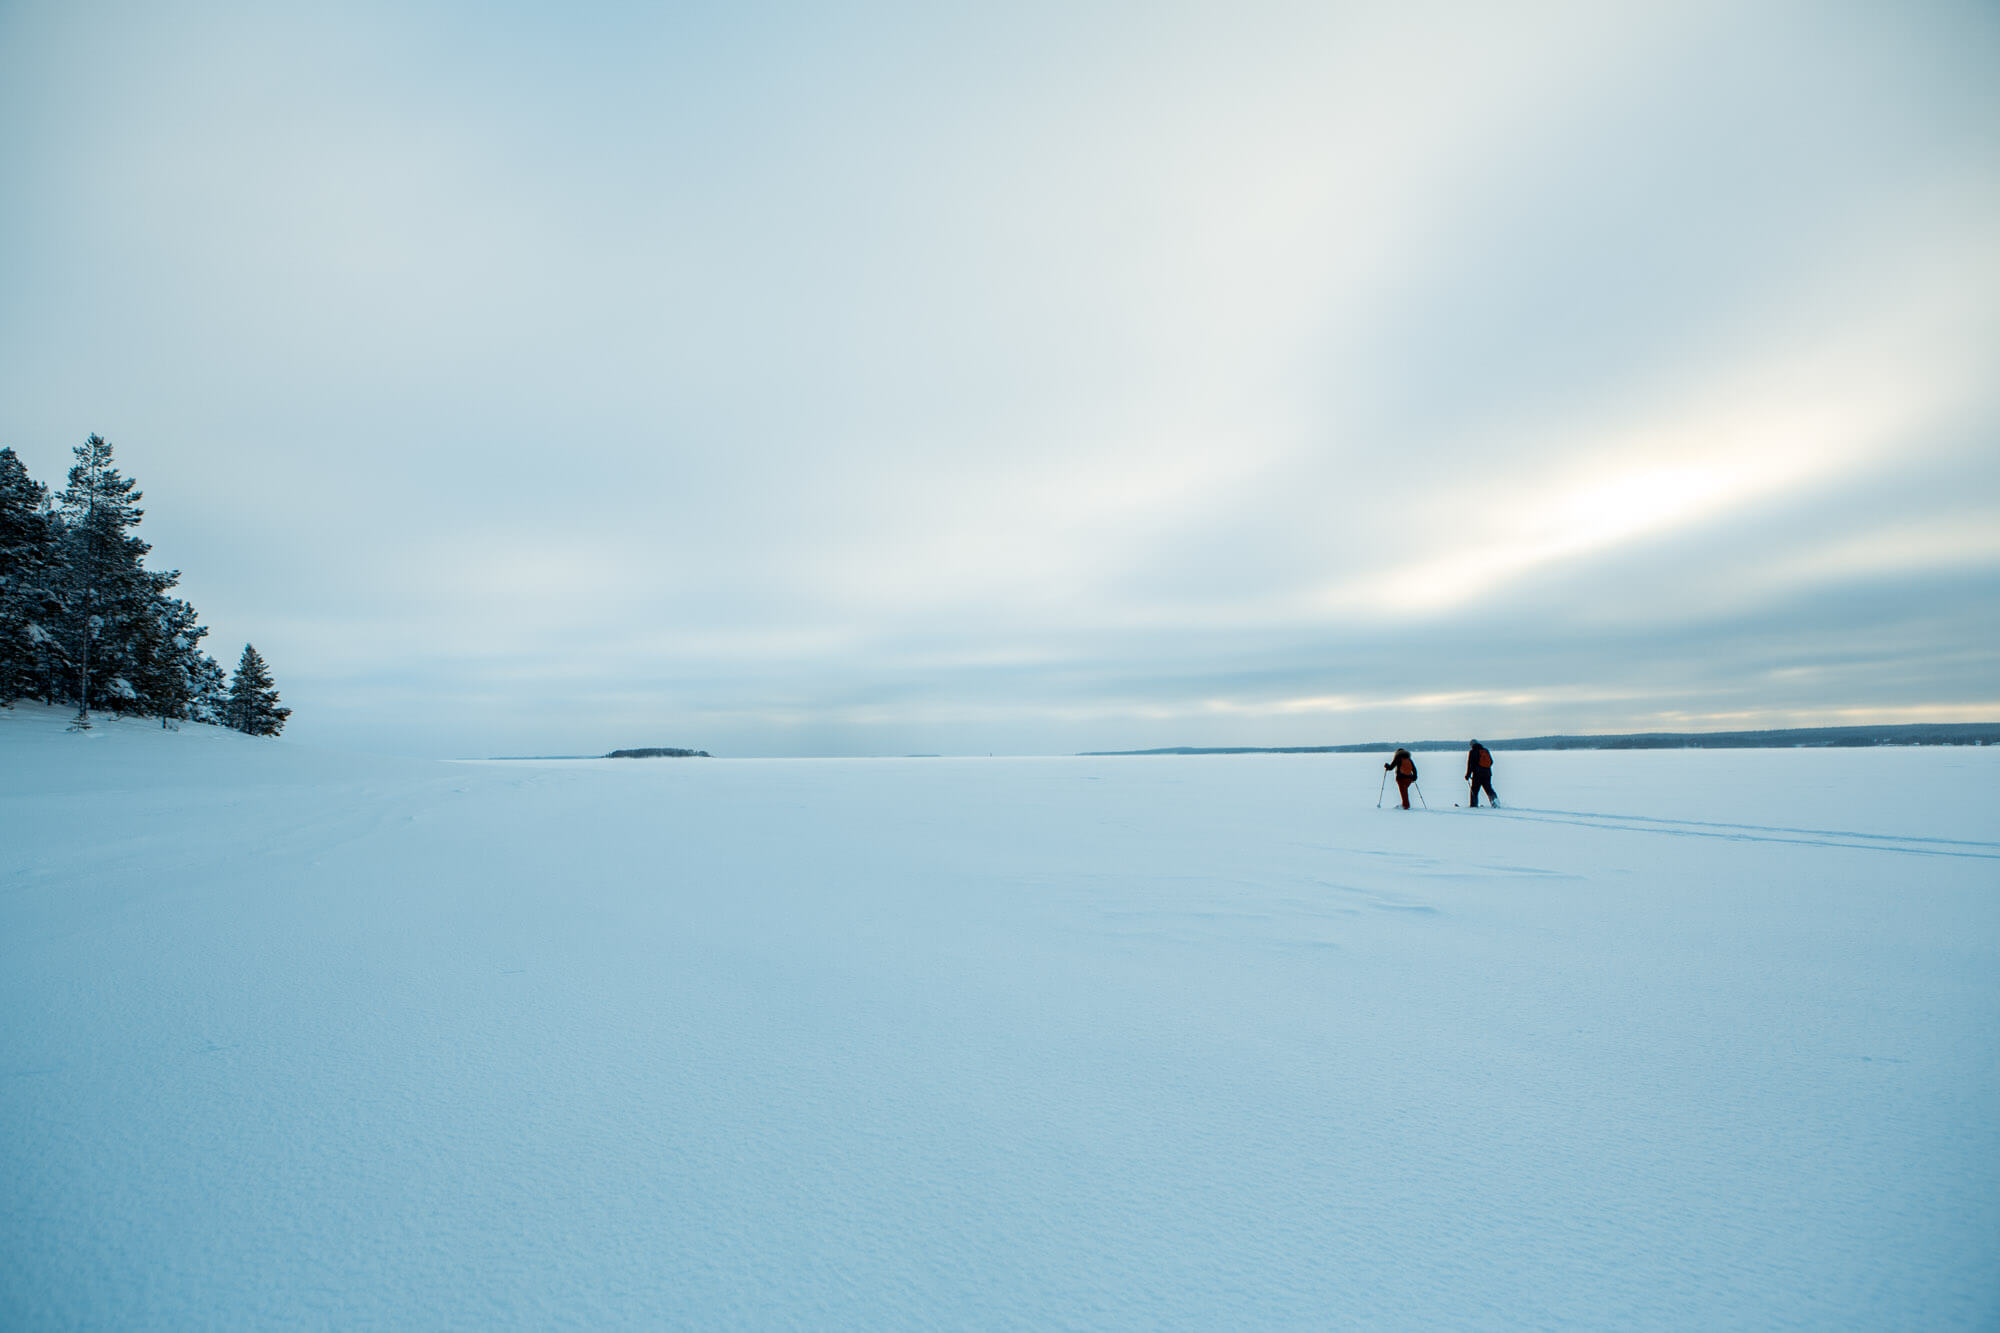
(1030, 378)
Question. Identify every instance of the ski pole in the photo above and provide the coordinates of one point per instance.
(1420, 794)
(1384, 787)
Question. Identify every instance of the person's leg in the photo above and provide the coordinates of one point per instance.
(1492, 797)
(1475, 793)
(1403, 786)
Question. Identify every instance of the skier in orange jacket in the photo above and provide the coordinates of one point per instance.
(1479, 772)
(1406, 772)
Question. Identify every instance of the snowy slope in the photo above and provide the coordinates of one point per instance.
(1677, 1039)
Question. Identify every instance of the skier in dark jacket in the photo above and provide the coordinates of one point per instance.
(1479, 772)
(1405, 769)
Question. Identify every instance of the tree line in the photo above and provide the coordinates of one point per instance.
(84, 622)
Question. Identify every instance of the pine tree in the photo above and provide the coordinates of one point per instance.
(208, 689)
(253, 701)
(28, 601)
(108, 595)
(169, 666)
(83, 620)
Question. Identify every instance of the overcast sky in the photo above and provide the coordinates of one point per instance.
(876, 379)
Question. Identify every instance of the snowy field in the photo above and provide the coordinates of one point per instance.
(1678, 1039)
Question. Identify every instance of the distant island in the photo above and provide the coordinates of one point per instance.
(658, 752)
(1956, 733)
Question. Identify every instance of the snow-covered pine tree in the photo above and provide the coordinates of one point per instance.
(169, 664)
(253, 700)
(28, 603)
(208, 689)
(108, 596)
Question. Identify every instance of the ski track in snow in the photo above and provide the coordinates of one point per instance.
(298, 1038)
(1694, 828)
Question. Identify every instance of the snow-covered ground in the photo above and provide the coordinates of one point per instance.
(1677, 1039)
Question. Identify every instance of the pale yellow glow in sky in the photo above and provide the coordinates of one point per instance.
(1624, 484)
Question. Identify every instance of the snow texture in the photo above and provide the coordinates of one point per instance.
(1676, 1039)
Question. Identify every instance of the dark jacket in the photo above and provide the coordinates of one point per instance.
(1478, 761)
(1406, 767)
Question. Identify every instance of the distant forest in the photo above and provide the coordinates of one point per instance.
(84, 622)
(1952, 733)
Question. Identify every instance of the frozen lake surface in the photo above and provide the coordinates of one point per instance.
(1679, 1038)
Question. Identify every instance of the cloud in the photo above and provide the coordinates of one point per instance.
(1050, 377)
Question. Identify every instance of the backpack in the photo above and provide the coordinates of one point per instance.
(1482, 757)
(1407, 767)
